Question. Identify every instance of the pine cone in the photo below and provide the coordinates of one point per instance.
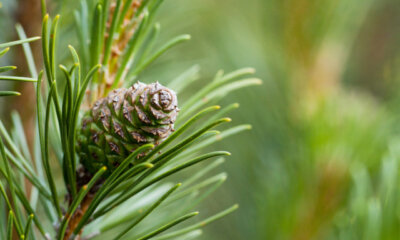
(124, 120)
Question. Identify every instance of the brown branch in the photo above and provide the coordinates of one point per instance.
(76, 218)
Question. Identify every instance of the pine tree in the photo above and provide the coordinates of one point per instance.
(114, 139)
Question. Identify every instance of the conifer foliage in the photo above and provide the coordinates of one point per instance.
(114, 140)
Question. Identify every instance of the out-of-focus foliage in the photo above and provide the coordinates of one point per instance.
(325, 115)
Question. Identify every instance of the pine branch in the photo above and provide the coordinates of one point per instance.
(116, 146)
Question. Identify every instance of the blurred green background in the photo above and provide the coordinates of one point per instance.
(322, 159)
